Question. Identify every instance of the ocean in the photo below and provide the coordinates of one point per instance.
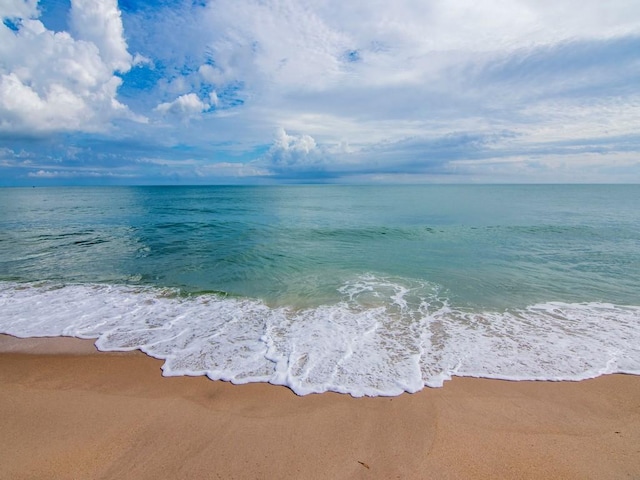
(364, 290)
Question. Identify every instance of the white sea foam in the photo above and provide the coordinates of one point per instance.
(383, 337)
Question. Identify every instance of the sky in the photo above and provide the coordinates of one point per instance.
(319, 91)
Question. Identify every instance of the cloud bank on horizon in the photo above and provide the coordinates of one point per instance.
(268, 91)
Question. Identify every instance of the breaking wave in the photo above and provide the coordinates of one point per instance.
(385, 336)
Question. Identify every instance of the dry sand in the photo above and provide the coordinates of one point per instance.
(68, 412)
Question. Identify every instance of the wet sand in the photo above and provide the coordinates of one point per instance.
(70, 412)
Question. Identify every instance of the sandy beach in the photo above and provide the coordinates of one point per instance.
(71, 412)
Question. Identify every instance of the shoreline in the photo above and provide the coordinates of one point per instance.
(70, 411)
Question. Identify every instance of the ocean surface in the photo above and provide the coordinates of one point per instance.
(365, 290)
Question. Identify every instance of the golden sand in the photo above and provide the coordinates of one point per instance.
(69, 412)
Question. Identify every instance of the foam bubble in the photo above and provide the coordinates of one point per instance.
(384, 337)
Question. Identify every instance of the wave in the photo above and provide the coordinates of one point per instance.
(384, 336)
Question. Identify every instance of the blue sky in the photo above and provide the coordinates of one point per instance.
(231, 91)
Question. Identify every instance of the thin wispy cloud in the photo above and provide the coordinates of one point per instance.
(326, 91)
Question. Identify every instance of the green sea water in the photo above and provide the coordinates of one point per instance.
(486, 246)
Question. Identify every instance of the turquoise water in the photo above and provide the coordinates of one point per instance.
(395, 255)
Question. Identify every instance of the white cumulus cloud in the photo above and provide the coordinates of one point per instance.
(56, 81)
(99, 22)
(184, 106)
(294, 152)
(18, 8)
